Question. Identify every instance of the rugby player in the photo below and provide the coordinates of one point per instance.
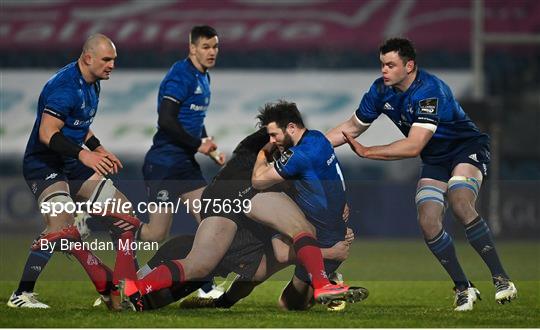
(58, 169)
(217, 231)
(309, 163)
(170, 170)
(454, 154)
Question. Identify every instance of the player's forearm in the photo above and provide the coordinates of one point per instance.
(168, 122)
(260, 167)
(401, 149)
(351, 126)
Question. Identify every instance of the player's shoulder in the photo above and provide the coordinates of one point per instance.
(312, 143)
(428, 86)
(182, 70)
(66, 78)
(184, 66)
(378, 87)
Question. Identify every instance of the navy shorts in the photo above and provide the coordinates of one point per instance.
(39, 179)
(168, 183)
(475, 153)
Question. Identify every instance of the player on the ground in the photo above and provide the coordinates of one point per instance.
(170, 170)
(58, 169)
(254, 256)
(217, 231)
(454, 153)
(309, 162)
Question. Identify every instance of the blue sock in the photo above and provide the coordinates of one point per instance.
(36, 262)
(480, 238)
(442, 247)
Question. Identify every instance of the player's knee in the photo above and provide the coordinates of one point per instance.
(465, 185)
(153, 234)
(307, 227)
(462, 208)
(429, 195)
(105, 193)
(430, 223)
(58, 208)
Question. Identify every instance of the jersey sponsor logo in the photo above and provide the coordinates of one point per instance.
(331, 159)
(198, 107)
(474, 157)
(198, 90)
(285, 156)
(426, 120)
(244, 192)
(163, 195)
(51, 176)
(78, 122)
(428, 106)
(387, 106)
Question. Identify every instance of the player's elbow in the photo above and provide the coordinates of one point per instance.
(257, 182)
(415, 152)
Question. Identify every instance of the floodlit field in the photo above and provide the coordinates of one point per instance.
(408, 288)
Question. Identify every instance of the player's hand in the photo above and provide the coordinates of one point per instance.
(207, 146)
(346, 213)
(340, 251)
(112, 157)
(358, 148)
(349, 236)
(97, 161)
(218, 157)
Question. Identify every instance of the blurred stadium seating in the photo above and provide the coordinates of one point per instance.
(321, 54)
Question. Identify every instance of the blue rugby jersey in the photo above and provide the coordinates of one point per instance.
(191, 89)
(319, 189)
(427, 101)
(69, 98)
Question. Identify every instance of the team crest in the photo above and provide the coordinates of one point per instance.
(428, 106)
(163, 195)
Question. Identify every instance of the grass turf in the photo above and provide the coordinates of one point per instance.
(408, 288)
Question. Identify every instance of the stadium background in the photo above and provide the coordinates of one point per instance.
(321, 54)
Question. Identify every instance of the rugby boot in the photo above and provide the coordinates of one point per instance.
(505, 290)
(331, 292)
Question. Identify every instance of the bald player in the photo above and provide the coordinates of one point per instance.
(64, 161)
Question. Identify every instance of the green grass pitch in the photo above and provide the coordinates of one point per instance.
(408, 288)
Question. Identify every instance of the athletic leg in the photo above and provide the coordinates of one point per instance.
(463, 190)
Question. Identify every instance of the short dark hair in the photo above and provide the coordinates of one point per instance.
(201, 31)
(404, 47)
(282, 113)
